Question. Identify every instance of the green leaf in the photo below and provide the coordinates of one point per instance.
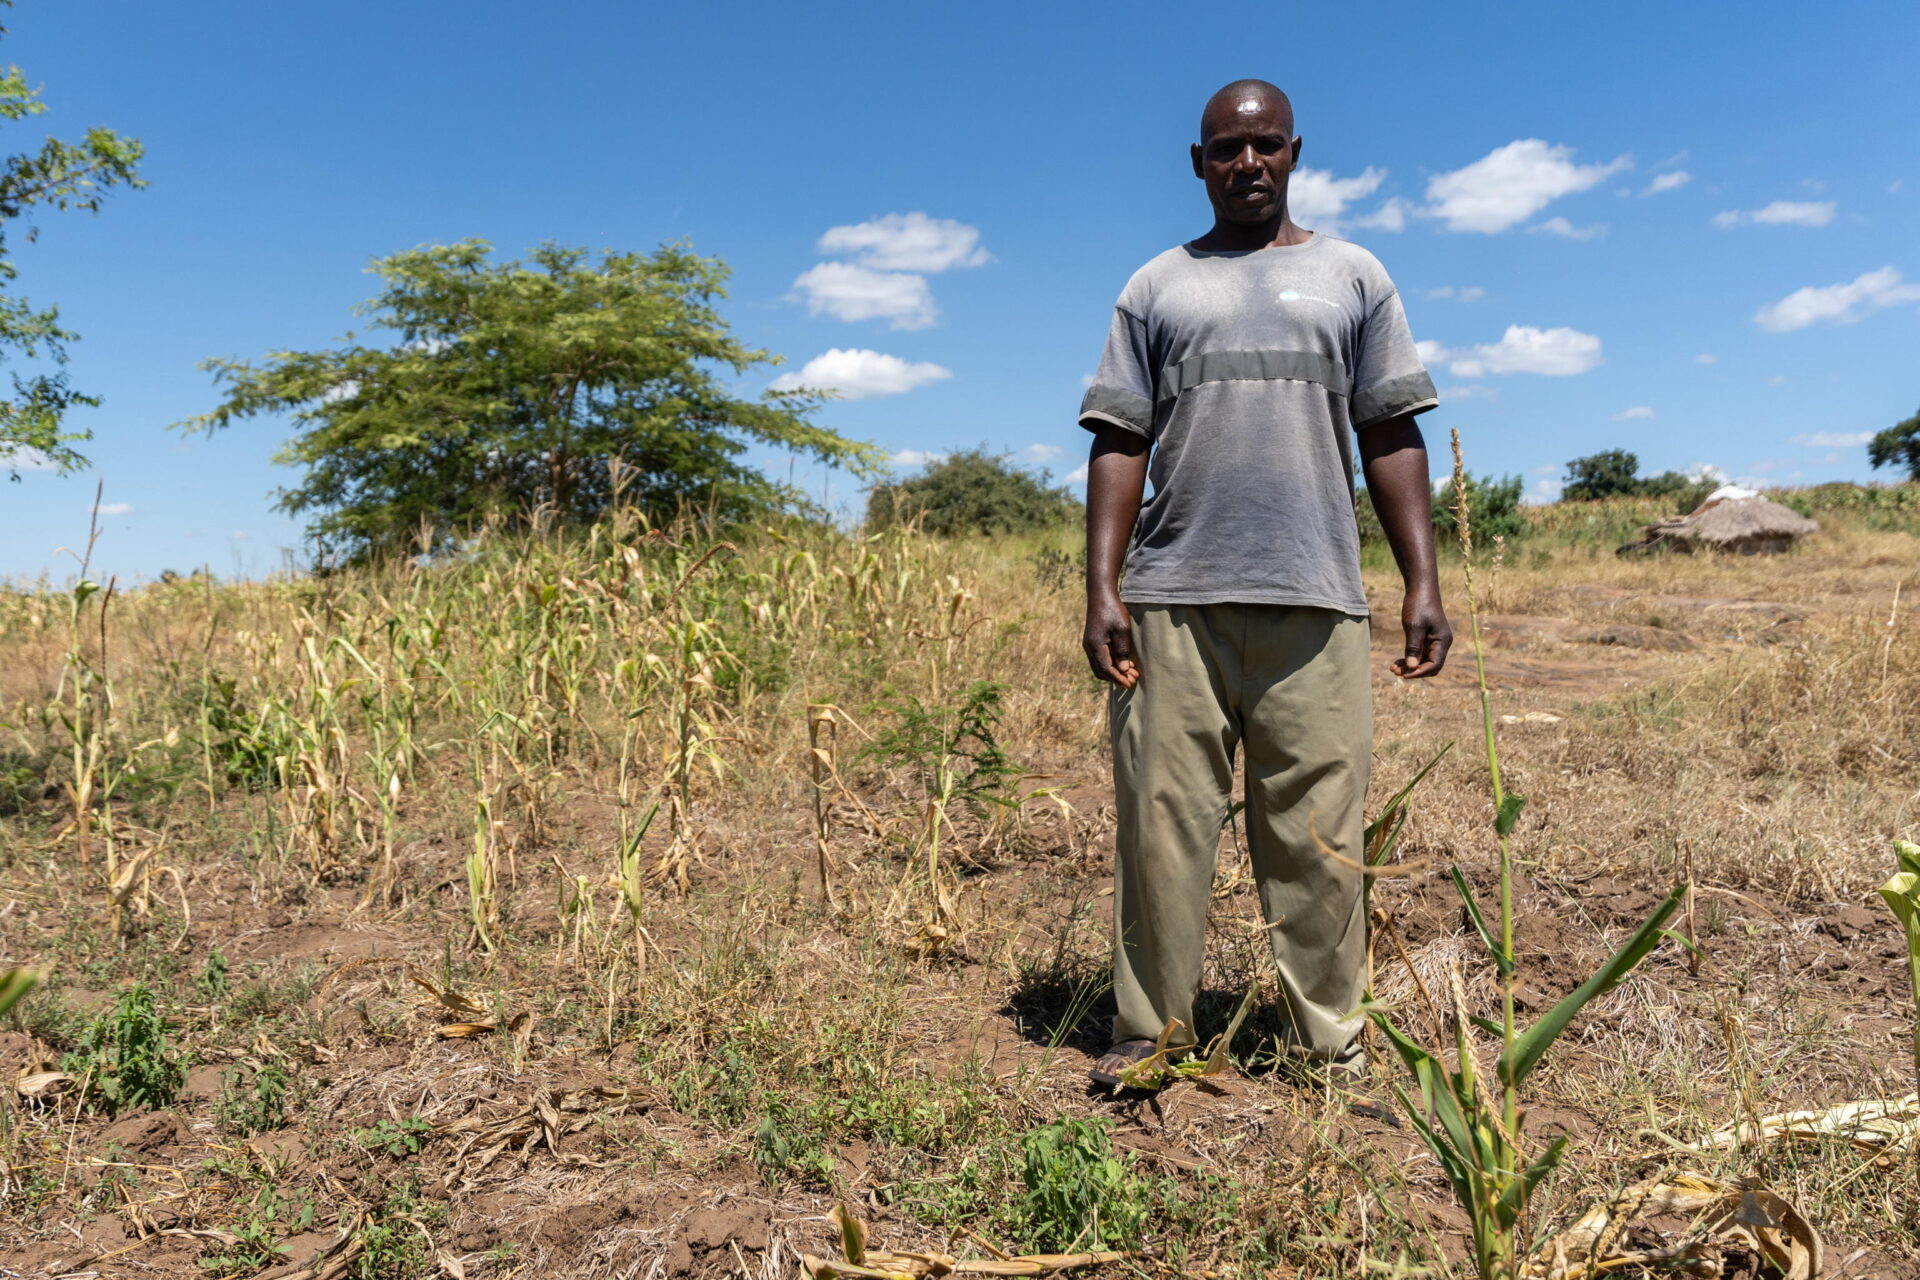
(1525, 1053)
(1906, 854)
(14, 986)
(1509, 814)
(1501, 959)
(1385, 829)
(1437, 1087)
(1902, 896)
(1513, 1201)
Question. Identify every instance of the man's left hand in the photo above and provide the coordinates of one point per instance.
(1429, 636)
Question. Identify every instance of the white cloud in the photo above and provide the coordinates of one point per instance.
(848, 292)
(1543, 493)
(1467, 393)
(1316, 198)
(915, 458)
(906, 242)
(1566, 230)
(1781, 213)
(1078, 475)
(1464, 293)
(1510, 184)
(1777, 380)
(1832, 439)
(1521, 349)
(1039, 453)
(19, 459)
(1705, 471)
(1706, 357)
(116, 508)
(1390, 216)
(1638, 411)
(1667, 182)
(1837, 303)
(859, 374)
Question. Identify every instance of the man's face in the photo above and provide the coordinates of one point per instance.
(1246, 153)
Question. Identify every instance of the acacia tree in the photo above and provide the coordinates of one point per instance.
(60, 175)
(1898, 446)
(510, 387)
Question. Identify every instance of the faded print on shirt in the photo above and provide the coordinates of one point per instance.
(1247, 370)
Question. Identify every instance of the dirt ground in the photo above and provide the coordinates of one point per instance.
(580, 1116)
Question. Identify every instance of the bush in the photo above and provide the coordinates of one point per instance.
(124, 1060)
(972, 492)
(1494, 505)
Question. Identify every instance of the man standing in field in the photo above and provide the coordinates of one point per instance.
(1235, 366)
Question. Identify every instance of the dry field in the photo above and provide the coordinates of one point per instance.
(471, 920)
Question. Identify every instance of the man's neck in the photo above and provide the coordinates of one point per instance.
(1275, 233)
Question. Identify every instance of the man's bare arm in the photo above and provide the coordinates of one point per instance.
(1393, 454)
(1116, 479)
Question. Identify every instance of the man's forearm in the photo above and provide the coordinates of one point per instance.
(1394, 458)
(1116, 480)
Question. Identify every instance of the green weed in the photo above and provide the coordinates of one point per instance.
(395, 1139)
(1079, 1194)
(124, 1059)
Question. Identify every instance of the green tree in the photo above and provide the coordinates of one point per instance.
(60, 175)
(1495, 507)
(1898, 446)
(1608, 474)
(971, 492)
(555, 383)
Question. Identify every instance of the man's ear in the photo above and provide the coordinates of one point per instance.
(1194, 151)
(1297, 141)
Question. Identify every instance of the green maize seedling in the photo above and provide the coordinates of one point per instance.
(1902, 894)
(1472, 1126)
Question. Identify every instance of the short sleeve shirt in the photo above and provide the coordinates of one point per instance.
(1248, 370)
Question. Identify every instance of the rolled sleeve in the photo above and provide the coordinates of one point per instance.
(1122, 391)
(1389, 380)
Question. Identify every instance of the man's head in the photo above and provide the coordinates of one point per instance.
(1246, 151)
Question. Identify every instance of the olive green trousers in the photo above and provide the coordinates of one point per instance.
(1288, 685)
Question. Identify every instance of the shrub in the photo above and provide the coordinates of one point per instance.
(972, 492)
(123, 1060)
(1495, 504)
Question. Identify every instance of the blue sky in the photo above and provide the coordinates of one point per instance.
(1688, 231)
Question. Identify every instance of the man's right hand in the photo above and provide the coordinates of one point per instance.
(1108, 640)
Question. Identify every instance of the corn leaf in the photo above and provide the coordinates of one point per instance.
(1514, 1199)
(1525, 1052)
(1494, 949)
(1509, 814)
(1902, 895)
(1393, 815)
(14, 986)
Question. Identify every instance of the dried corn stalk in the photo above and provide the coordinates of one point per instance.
(1725, 1218)
(1887, 1127)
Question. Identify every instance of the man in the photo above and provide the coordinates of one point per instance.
(1235, 366)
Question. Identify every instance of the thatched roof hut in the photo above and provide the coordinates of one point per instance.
(1730, 520)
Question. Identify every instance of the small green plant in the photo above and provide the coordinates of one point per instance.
(124, 1060)
(394, 1241)
(256, 1244)
(1473, 1130)
(395, 1139)
(253, 1100)
(1902, 895)
(216, 977)
(1080, 1195)
(788, 1154)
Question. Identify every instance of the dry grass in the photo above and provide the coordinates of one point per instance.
(318, 761)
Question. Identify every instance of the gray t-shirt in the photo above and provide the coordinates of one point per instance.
(1246, 370)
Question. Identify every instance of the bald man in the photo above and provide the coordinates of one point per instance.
(1234, 370)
